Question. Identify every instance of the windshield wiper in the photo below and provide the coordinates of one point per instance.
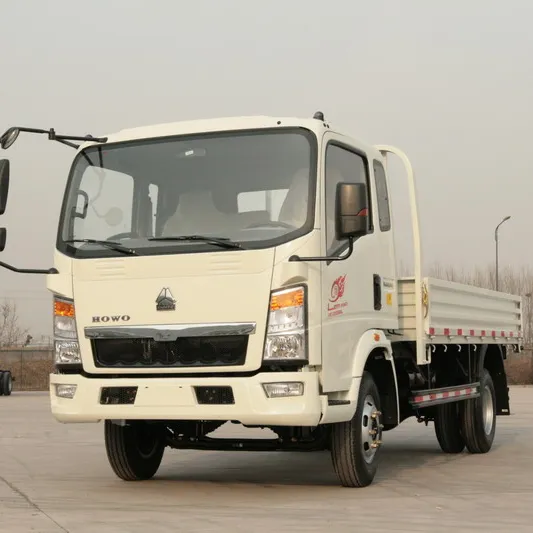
(110, 244)
(224, 242)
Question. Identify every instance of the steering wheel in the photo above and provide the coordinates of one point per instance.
(273, 223)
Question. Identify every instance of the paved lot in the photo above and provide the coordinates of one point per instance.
(55, 478)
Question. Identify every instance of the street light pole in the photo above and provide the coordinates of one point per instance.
(496, 240)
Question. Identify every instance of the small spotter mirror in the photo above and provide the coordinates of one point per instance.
(9, 137)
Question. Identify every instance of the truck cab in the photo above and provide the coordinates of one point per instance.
(234, 270)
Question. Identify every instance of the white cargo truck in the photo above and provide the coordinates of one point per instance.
(243, 270)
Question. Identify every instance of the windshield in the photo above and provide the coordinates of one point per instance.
(215, 192)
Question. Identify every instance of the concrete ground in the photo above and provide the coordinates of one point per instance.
(55, 478)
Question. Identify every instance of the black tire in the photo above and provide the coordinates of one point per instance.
(2, 382)
(355, 460)
(448, 428)
(134, 451)
(478, 418)
(7, 383)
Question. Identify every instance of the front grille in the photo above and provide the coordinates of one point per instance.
(118, 395)
(214, 395)
(226, 350)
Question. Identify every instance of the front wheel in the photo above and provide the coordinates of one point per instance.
(355, 445)
(134, 451)
(479, 417)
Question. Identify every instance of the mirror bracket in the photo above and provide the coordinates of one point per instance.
(28, 270)
(293, 258)
(8, 138)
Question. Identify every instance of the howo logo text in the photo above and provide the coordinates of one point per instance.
(111, 318)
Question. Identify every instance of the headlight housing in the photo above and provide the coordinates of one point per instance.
(67, 351)
(286, 338)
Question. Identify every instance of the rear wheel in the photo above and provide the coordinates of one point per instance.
(448, 428)
(355, 445)
(2, 382)
(478, 418)
(134, 451)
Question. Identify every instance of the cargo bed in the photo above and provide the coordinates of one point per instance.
(457, 313)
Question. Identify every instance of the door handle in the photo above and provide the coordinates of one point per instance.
(377, 292)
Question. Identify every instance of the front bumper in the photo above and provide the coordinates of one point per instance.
(174, 399)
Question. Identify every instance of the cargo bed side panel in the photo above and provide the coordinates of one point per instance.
(458, 313)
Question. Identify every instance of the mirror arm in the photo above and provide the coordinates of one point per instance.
(326, 258)
(68, 143)
(28, 270)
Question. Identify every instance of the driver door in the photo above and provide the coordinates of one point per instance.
(351, 288)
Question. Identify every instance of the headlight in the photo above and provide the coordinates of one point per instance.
(66, 338)
(286, 338)
(67, 352)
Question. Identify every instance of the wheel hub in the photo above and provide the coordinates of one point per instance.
(488, 410)
(371, 429)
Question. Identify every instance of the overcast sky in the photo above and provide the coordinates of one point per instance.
(451, 83)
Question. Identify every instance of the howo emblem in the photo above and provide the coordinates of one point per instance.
(111, 318)
(165, 301)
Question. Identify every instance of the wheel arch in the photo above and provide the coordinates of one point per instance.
(383, 372)
(373, 354)
(492, 358)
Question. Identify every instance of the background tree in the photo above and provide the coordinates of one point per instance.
(11, 332)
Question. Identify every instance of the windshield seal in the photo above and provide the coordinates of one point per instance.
(183, 247)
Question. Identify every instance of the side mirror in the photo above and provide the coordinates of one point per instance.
(9, 137)
(4, 184)
(351, 210)
(3, 237)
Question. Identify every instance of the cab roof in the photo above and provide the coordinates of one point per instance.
(191, 127)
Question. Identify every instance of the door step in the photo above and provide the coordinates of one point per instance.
(457, 393)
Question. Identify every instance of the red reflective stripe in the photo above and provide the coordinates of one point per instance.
(443, 395)
(471, 332)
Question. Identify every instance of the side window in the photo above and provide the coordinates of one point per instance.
(252, 201)
(342, 165)
(382, 197)
(108, 200)
(153, 193)
(269, 201)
